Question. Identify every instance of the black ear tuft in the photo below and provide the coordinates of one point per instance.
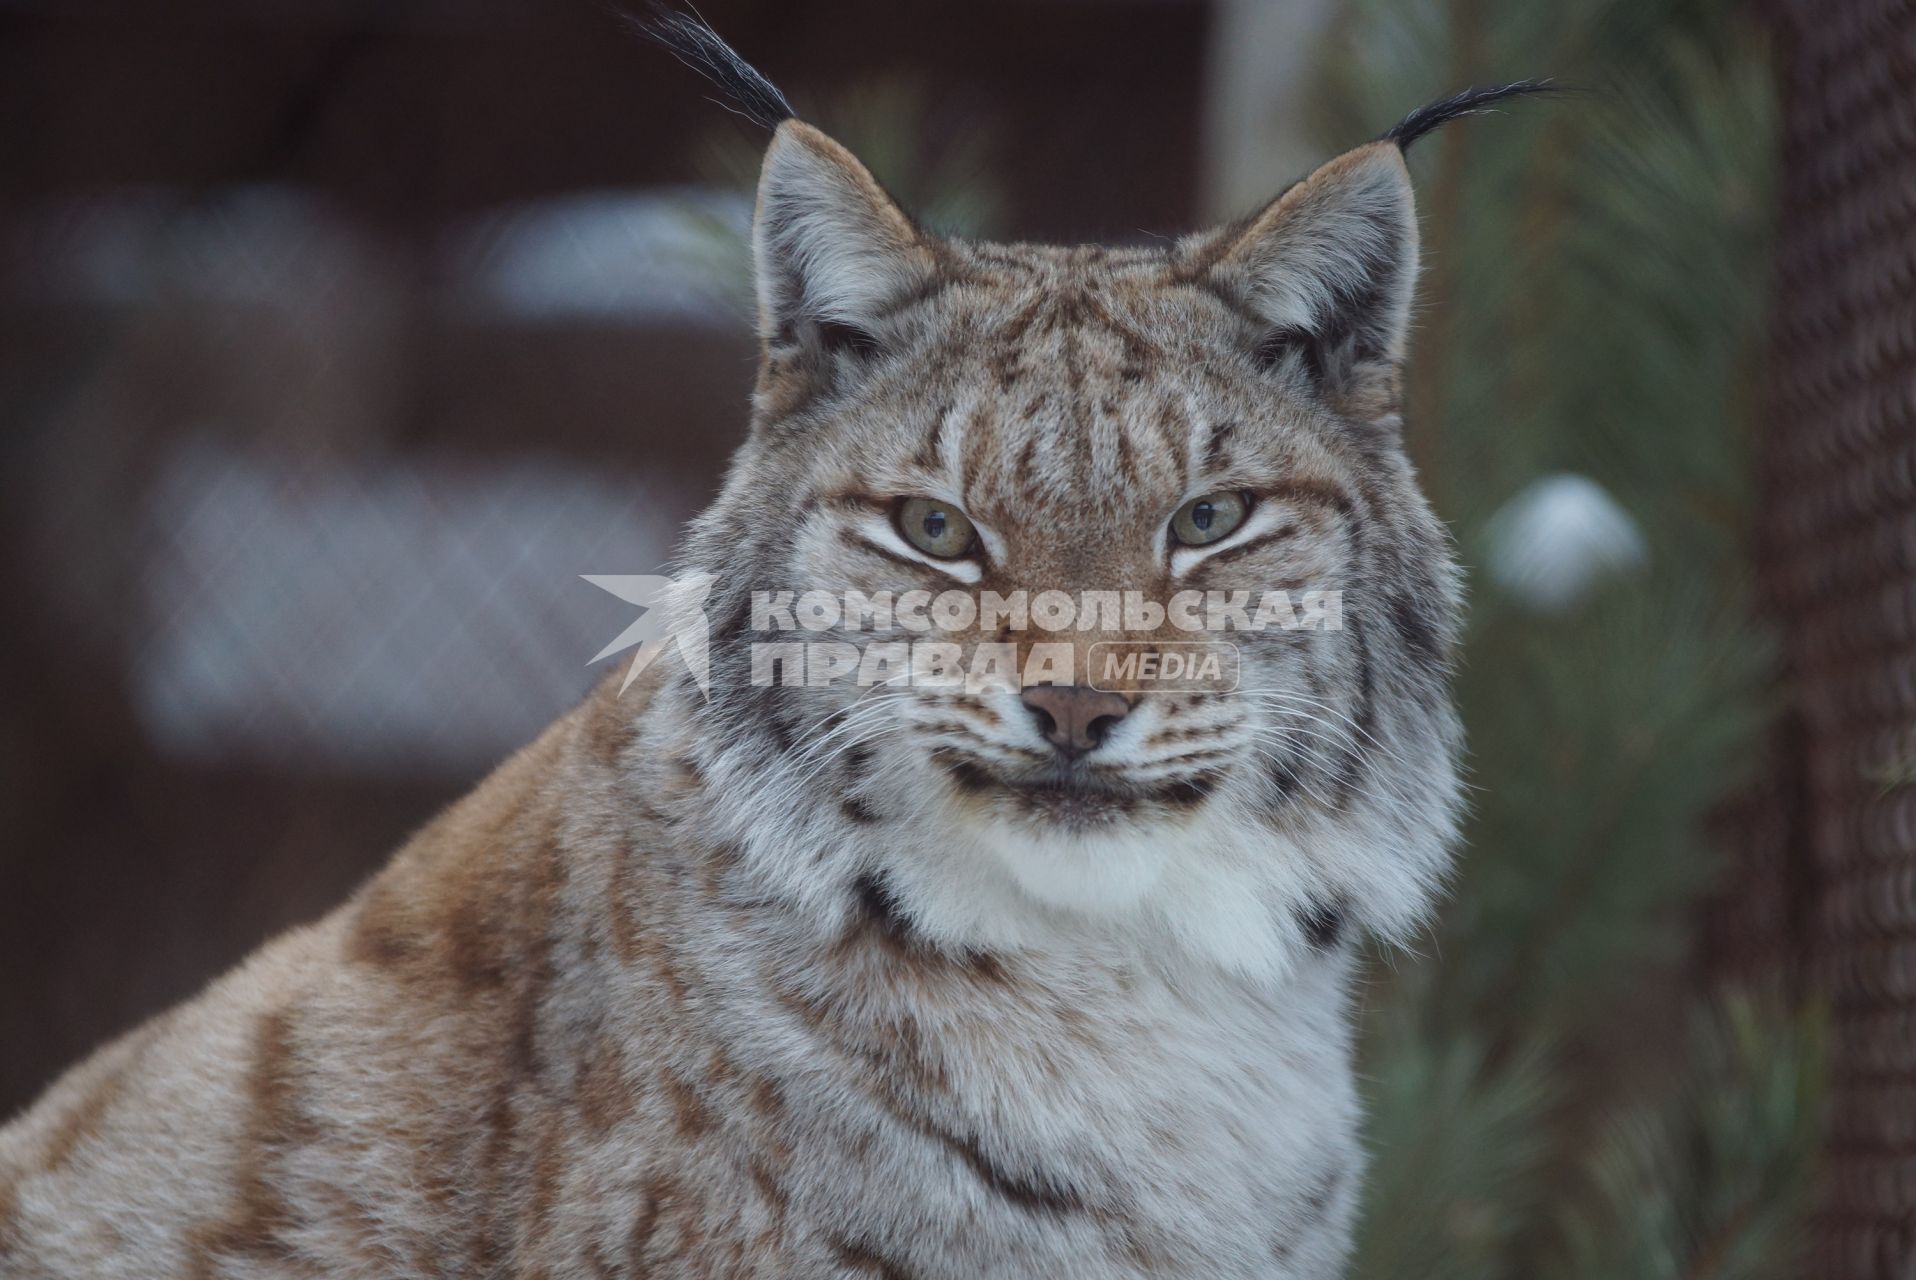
(700, 48)
(1468, 103)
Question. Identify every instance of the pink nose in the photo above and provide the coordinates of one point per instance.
(1072, 718)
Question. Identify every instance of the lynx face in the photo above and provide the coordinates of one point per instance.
(1217, 417)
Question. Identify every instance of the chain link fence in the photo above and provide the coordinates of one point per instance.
(1825, 877)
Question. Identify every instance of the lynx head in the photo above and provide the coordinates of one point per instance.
(1126, 427)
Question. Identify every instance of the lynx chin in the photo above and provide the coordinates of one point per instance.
(888, 979)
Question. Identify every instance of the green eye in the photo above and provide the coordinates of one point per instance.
(936, 528)
(1210, 518)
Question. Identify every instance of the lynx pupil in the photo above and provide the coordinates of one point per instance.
(1210, 518)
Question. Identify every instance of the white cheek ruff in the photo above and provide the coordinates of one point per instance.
(1213, 889)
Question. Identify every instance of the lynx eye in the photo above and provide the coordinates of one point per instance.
(1209, 518)
(936, 528)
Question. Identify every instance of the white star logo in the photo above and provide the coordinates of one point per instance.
(674, 611)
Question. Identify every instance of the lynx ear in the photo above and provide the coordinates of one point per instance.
(1329, 267)
(830, 248)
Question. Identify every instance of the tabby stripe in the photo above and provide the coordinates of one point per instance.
(600, 1264)
(1177, 435)
(9, 1212)
(1127, 459)
(1237, 305)
(917, 296)
(1318, 492)
(981, 441)
(1214, 447)
(879, 914)
(658, 1192)
(1188, 792)
(998, 258)
(1416, 630)
(1351, 772)
(1138, 349)
(853, 502)
(862, 1257)
(689, 1112)
(274, 1123)
(952, 727)
(931, 454)
(85, 1117)
(1032, 1196)
(1284, 775)
(888, 553)
(1027, 469)
(1224, 555)
(858, 810)
(1322, 924)
(1038, 1196)
(1316, 1207)
(770, 1189)
(878, 905)
(1202, 755)
(967, 771)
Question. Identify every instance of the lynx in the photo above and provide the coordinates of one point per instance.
(744, 977)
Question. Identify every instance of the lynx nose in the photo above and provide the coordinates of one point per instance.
(1072, 718)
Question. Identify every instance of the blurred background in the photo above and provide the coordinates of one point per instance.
(338, 337)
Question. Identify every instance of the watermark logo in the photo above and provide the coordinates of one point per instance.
(1053, 611)
(1164, 666)
(674, 611)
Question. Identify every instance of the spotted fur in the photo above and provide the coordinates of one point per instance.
(828, 981)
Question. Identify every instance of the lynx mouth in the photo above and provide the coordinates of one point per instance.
(1073, 794)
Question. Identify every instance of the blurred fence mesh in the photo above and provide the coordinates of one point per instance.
(294, 530)
(1825, 885)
